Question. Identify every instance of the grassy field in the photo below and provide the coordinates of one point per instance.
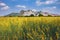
(29, 28)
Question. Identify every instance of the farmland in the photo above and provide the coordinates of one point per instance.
(29, 28)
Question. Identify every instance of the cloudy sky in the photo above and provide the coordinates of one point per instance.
(8, 6)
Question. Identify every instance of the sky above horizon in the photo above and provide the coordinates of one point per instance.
(9, 6)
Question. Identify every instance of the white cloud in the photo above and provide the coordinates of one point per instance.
(38, 2)
(34, 10)
(20, 6)
(54, 7)
(5, 8)
(2, 4)
(49, 9)
(49, 2)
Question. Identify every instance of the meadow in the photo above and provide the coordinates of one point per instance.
(29, 28)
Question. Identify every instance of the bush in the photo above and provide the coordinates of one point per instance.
(40, 15)
(32, 15)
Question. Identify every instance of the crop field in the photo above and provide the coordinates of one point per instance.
(29, 28)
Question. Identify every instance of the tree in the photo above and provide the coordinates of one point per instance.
(31, 15)
(40, 15)
(49, 15)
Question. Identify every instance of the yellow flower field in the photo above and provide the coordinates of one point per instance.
(29, 28)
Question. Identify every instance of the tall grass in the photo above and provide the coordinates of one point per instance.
(31, 28)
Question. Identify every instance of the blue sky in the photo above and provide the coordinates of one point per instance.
(8, 6)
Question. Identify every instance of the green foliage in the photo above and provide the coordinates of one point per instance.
(40, 15)
(49, 15)
(31, 15)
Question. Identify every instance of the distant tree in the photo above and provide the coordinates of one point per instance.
(18, 16)
(49, 15)
(26, 16)
(40, 15)
(31, 15)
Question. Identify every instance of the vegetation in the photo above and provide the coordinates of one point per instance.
(30, 28)
(49, 15)
(40, 15)
(32, 15)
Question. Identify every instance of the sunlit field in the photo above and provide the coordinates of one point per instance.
(29, 28)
